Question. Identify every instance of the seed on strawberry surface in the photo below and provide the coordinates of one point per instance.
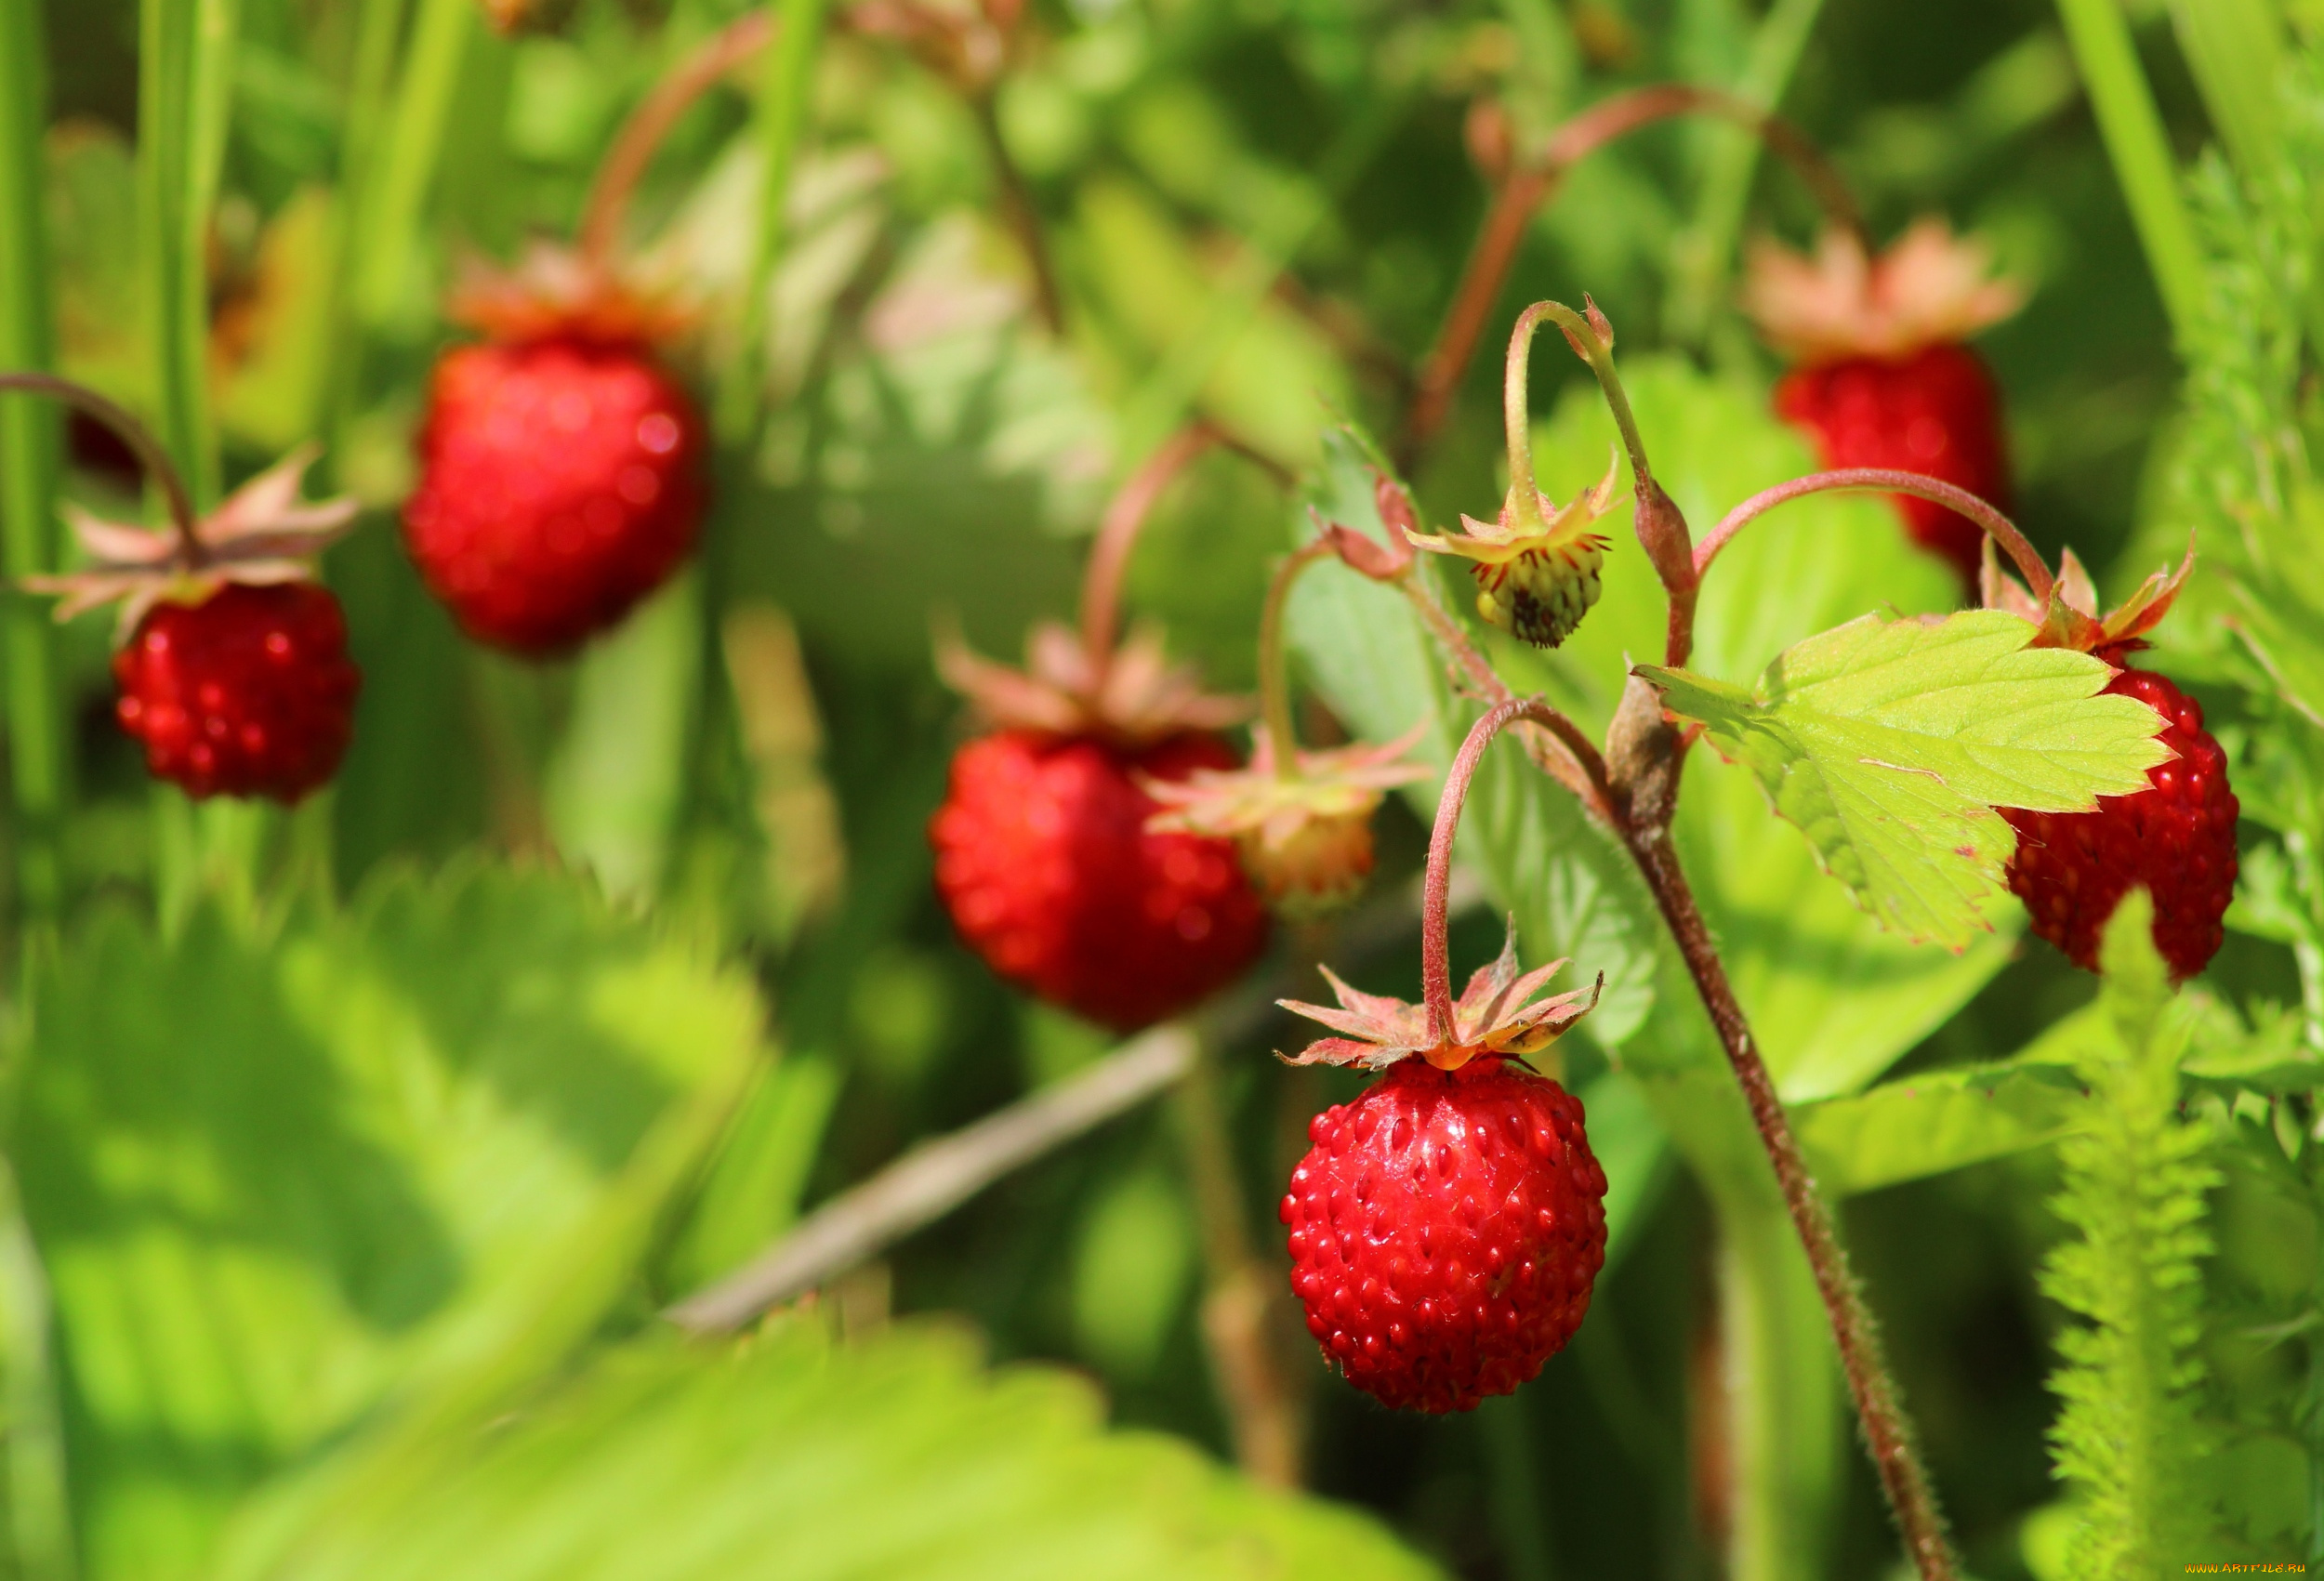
(247, 692)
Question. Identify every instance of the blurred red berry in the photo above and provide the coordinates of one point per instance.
(248, 692)
(1044, 861)
(1445, 1231)
(560, 482)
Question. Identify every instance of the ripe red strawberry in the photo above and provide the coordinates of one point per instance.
(1446, 1232)
(560, 482)
(2177, 839)
(247, 692)
(1448, 1225)
(1883, 377)
(1045, 863)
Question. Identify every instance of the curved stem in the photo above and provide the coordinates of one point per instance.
(1019, 211)
(141, 443)
(1435, 965)
(1594, 342)
(1274, 678)
(1117, 535)
(1524, 495)
(2002, 531)
(633, 148)
(1531, 183)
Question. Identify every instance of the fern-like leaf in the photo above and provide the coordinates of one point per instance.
(2136, 1181)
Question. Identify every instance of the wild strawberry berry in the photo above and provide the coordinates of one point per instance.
(560, 482)
(1445, 1231)
(2176, 839)
(1883, 377)
(1044, 860)
(247, 692)
(1936, 411)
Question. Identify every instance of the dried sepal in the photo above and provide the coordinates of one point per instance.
(1492, 1016)
(1134, 695)
(262, 534)
(1929, 286)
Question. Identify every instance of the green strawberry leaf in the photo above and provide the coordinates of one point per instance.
(1890, 743)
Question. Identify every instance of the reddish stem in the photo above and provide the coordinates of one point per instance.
(1274, 670)
(151, 456)
(1117, 535)
(1435, 962)
(2003, 532)
(640, 136)
(1529, 183)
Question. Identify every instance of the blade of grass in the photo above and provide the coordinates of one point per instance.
(1705, 252)
(2236, 49)
(2143, 166)
(378, 27)
(28, 468)
(405, 172)
(781, 115)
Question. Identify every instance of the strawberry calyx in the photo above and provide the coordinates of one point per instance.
(1132, 696)
(558, 293)
(1929, 286)
(2071, 619)
(1536, 577)
(263, 533)
(1304, 828)
(1495, 1014)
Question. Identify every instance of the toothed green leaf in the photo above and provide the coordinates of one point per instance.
(1890, 743)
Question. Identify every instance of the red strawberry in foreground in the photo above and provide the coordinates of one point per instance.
(1883, 377)
(1043, 857)
(561, 464)
(248, 692)
(2176, 839)
(235, 675)
(1449, 1225)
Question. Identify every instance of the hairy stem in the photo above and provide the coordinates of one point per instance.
(641, 134)
(1274, 670)
(1530, 183)
(1999, 527)
(1887, 1435)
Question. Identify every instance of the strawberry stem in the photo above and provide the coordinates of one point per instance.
(1524, 496)
(1529, 183)
(1117, 535)
(641, 134)
(1435, 962)
(1999, 527)
(141, 443)
(1275, 669)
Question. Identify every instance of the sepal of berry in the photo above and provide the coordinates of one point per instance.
(1535, 579)
(1133, 695)
(1305, 836)
(557, 294)
(1495, 1014)
(1928, 287)
(2071, 618)
(261, 535)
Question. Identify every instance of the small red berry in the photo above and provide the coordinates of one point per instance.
(560, 482)
(1045, 863)
(2176, 838)
(248, 692)
(1445, 1231)
(1936, 411)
